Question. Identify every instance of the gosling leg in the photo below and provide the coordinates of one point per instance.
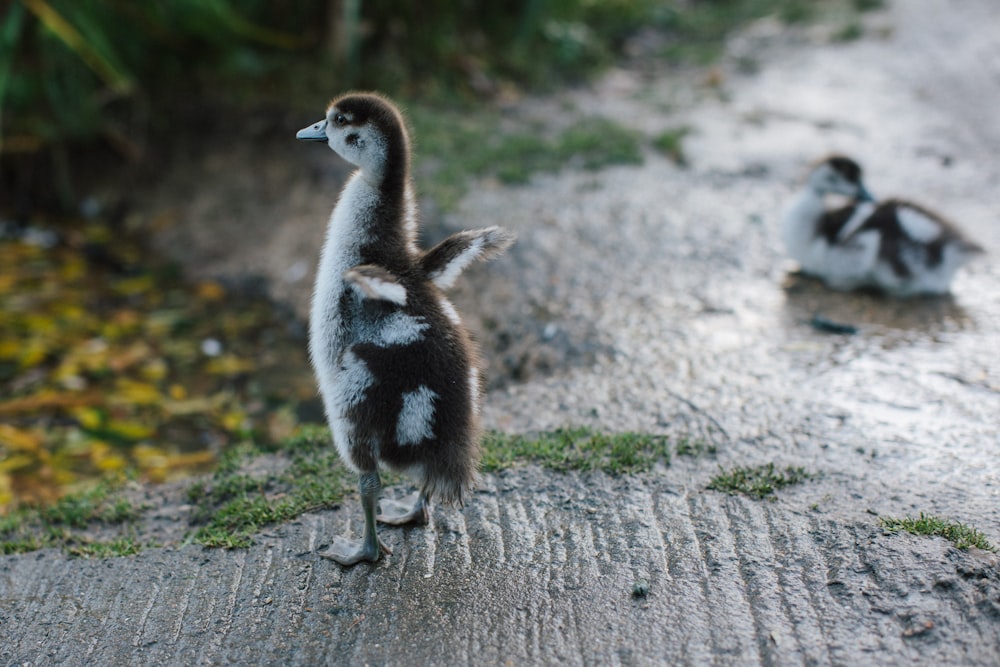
(349, 552)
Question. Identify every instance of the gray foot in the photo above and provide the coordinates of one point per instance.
(351, 552)
(395, 513)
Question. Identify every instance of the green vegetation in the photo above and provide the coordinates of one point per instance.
(758, 482)
(234, 505)
(694, 447)
(669, 142)
(122, 74)
(248, 492)
(699, 30)
(124, 546)
(85, 69)
(78, 69)
(111, 368)
(959, 534)
(69, 523)
(849, 32)
(453, 146)
(97, 504)
(578, 448)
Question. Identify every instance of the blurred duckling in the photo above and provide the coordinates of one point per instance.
(895, 246)
(399, 376)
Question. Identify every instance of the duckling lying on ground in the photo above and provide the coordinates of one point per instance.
(895, 246)
(399, 375)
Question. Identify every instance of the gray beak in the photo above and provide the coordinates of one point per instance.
(315, 132)
(864, 194)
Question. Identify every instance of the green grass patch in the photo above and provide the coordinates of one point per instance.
(598, 142)
(124, 546)
(758, 482)
(959, 534)
(99, 504)
(700, 30)
(670, 143)
(65, 524)
(234, 505)
(849, 32)
(453, 146)
(694, 447)
(247, 493)
(579, 448)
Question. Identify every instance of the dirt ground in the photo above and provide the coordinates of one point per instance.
(652, 298)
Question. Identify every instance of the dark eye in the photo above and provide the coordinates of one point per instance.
(340, 119)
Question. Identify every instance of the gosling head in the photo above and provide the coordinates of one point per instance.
(839, 175)
(365, 129)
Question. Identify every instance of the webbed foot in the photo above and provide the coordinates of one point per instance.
(396, 513)
(351, 552)
(370, 548)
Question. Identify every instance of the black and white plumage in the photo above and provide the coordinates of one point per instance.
(399, 375)
(895, 246)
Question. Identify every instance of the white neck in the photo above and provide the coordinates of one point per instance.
(345, 234)
(798, 227)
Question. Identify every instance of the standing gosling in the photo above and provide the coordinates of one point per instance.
(895, 246)
(399, 375)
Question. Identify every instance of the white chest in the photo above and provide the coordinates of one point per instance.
(345, 235)
(798, 226)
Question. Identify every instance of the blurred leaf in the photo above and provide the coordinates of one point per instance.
(130, 430)
(132, 392)
(154, 370)
(10, 349)
(10, 34)
(17, 439)
(89, 418)
(241, 26)
(209, 290)
(106, 376)
(234, 420)
(7, 281)
(95, 58)
(16, 461)
(193, 406)
(47, 399)
(190, 459)
(229, 364)
(137, 285)
(162, 322)
(152, 460)
(124, 358)
(106, 458)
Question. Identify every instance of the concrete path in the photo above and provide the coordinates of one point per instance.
(656, 299)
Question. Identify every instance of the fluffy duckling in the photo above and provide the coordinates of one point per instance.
(399, 375)
(896, 246)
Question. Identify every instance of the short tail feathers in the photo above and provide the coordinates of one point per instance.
(449, 478)
(374, 282)
(448, 483)
(445, 262)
